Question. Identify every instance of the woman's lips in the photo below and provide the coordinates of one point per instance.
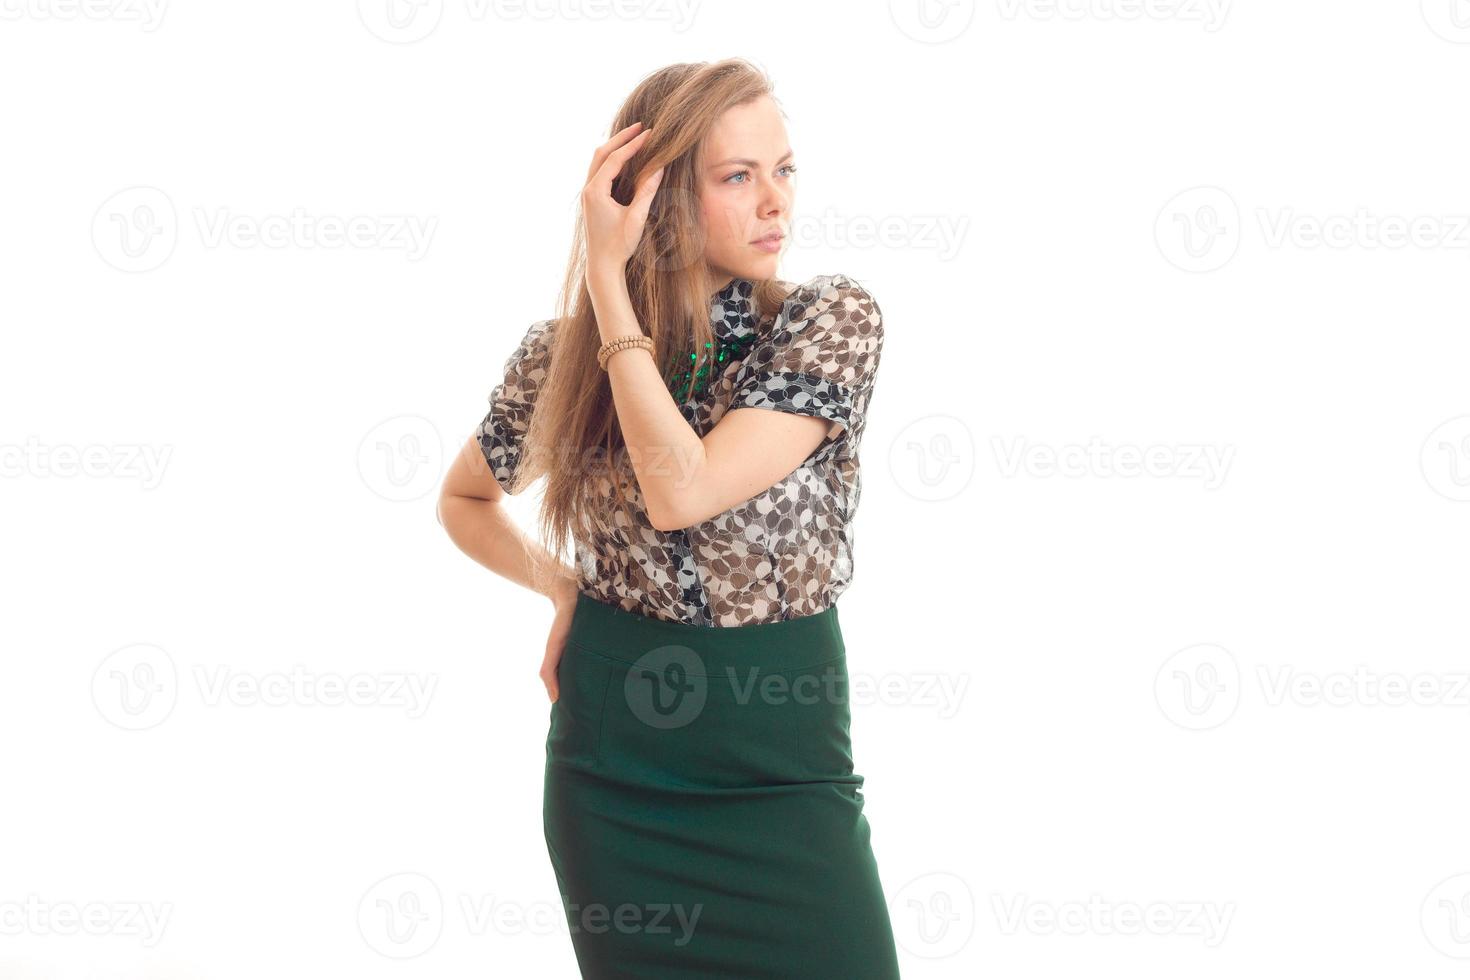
(771, 244)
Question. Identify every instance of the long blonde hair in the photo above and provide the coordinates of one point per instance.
(573, 438)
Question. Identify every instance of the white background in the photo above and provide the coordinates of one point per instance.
(1164, 229)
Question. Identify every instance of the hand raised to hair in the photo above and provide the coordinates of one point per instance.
(612, 230)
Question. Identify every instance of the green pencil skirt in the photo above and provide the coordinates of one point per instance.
(701, 810)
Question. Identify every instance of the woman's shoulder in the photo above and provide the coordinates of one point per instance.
(825, 289)
(538, 336)
(532, 353)
(825, 280)
(834, 293)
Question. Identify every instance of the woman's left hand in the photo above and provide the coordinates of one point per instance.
(564, 600)
(612, 230)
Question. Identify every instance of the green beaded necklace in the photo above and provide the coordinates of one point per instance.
(732, 341)
(699, 376)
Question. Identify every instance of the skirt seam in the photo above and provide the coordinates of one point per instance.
(602, 718)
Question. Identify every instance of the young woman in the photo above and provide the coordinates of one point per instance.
(698, 423)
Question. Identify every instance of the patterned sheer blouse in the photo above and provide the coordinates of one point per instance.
(787, 551)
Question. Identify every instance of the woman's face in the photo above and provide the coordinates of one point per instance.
(746, 185)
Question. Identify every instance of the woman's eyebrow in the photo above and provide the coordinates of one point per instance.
(746, 162)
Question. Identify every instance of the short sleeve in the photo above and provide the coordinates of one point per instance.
(504, 429)
(820, 357)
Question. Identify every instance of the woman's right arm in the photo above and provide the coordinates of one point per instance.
(470, 510)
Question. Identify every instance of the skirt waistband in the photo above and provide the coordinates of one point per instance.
(788, 644)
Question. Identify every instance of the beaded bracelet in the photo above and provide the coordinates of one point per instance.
(622, 343)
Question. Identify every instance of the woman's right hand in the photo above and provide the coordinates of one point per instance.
(612, 230)
(564, 601)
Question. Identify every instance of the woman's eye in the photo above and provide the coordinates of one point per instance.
(744, 173)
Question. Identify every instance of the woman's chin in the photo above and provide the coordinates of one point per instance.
(763, 266)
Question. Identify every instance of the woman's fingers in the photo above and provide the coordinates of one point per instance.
(555, 645)
(643, 200)
(600, 154)
(548, 674)
(614, 161)
(603, 175)
(612, 229)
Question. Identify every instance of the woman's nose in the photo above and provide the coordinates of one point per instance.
(775, 201)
